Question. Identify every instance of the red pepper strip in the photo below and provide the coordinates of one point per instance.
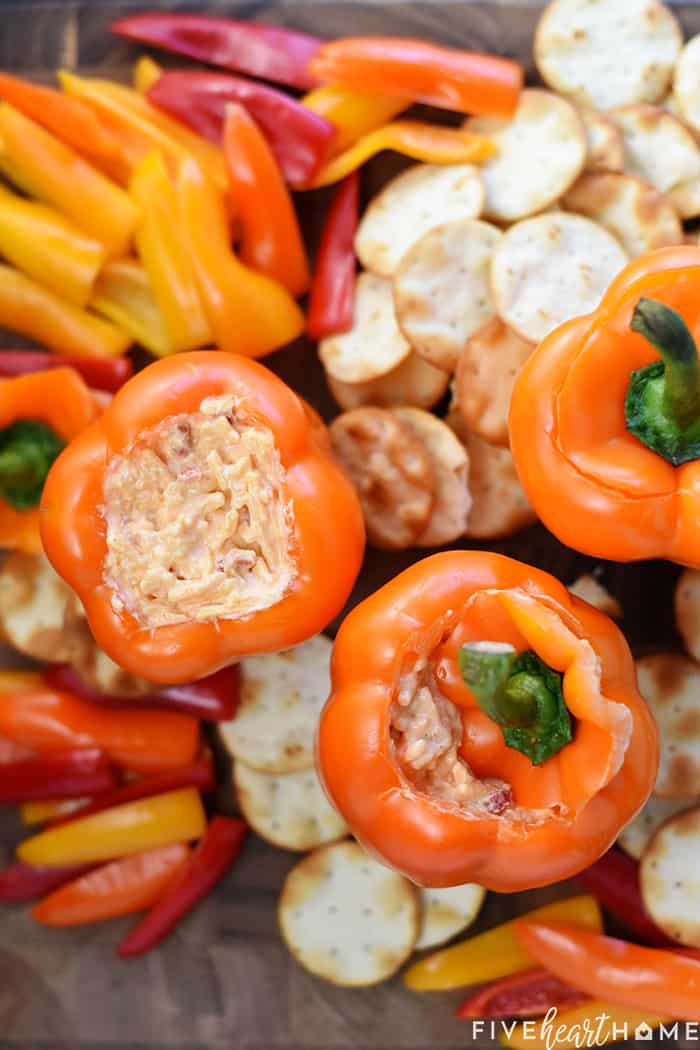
(529, 994)
(100, 373)
(12, 752)
(299, 138)
(208, 863)
(22, 882)
(332, 298)
(213, 698)
(614, 880)
(63, 775)
(200, 774)
(269, 52)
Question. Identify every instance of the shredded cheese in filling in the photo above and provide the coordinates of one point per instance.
(198, 526)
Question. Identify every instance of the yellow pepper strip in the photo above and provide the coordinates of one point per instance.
(496, 952)
(354, 113)
(56, 175)
(427, 142)
(49, 809)
(146, 73)
(176, 816)
(32, 310)
(592, 1024)
(165, 254)
(249, 313)
(123, 294)
(44, 245)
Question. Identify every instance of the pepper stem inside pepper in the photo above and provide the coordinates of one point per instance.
(522, 694)
(28, 447)
(662, 406)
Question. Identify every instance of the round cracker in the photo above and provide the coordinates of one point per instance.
(375, 344)
(631, 209)
(346, 918)
(685, 198)
(670, 683)
(687, 606)
(592, 591)
(541, 150)
(658, 147)
(289, 810)
(605, 151)
(636, 836)
(686, 84)
(391, 470)
(450, 464)
(101, 673)
(484, 379)
(606, 53)
(447, 912)
(550, 268)
(281, 696)
(413, 382)
(417, 200)
(669, 878)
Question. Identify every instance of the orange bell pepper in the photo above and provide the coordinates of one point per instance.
(353, 113)
(56, 405)
(56, 175)
(593, 1024)
(50, 721)
(149, 823)
(576, 408)
(271, 238)
(123, 295)
(313, 487)
(248, 312)
(126, 885)
(504, 795)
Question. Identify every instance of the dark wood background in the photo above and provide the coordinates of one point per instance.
(225, 979)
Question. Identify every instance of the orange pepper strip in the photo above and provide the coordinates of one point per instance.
(248, 312)
(602, 1022)
(123, 295)
(57, 175)
(353, 113)
(271, 238)
(427, 142)
(50, 721)
(126, 885)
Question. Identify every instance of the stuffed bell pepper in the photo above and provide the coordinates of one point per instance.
(484, 725)
(202, 518)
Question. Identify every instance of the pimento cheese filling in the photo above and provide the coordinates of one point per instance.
(198, 526)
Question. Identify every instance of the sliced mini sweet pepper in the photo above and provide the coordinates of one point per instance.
(248, 312)
(62, 775)
(352, 113)
(595, 1023)
(495, 953)
(271, 241)
(332, 298)
(528, 994)
(120, 888)
(21, 882)
(100, 373)
(177, 816)
(123, 294)
(147, 72)
(614, 879)
(48, 810)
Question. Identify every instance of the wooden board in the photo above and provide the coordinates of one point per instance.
(224, 979)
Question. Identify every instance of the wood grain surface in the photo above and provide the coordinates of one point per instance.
(225, 979)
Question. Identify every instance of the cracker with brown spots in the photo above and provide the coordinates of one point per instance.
(670, 683)
(658, 147)
(687, 606)
(686, 85)
(413, 382)
(102, 674)
(593, 592)
(346, 918)
(391, 471)
(604, 142)
(447, 912)
(484, 379)
(281, 696)
(636, 836)
(669, 878)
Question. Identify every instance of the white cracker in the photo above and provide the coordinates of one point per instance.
(686, 86)
(413, 382)
(670, 683)
(636, 836)
(685, 198)
(658, 147)
(687, 605)
(446, 912)
(669, 878)
(590, 590)
(604, 141)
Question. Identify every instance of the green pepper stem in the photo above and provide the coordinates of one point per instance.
(668, 333)
(486, 668)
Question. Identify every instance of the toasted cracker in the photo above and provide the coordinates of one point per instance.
(447, 912)
(669, 877)
(687, 606)
(484, 378)
(593, 592)
(605, 151)
(101, 672)
(685, 199)
(391, 470)
(541, 150)
(636, 836)
(417, 200)
(658, 147)
(442, 291)
(550, 268)
(289, 810)
(631, 209)
(281, 696)
(670, 683)
(450, 464)
(686, 84)
(375, 344)
(413, 382)
(606, 53)
(346, 918)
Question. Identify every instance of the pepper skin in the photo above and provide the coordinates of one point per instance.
(594, 484)
(123, 295)
(591, 788)
(74, 535)
(332, 297)
(100, 373)
(353, 114)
